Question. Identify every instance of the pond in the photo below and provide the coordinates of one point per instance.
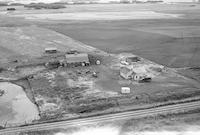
(15, 107)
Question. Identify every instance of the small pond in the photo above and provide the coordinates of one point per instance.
(15, 106)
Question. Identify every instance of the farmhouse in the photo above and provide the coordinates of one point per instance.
(126, 73)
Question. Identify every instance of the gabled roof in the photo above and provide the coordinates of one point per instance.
(80, 57)
(133, 59)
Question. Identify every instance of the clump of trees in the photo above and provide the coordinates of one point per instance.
(3, 4)
(16, 4)
(45, 6)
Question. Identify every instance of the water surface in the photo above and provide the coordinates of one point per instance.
(15, 107)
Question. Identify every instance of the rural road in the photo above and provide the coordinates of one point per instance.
(105, 118)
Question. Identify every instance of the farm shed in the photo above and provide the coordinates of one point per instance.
(77, 58)
(11, 9)
(132, 59)
(51, 50)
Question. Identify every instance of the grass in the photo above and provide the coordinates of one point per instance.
(169, 122)
(178, 122)
(193, 73)
(72, 100)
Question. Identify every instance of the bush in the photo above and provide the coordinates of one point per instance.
(3, 4)
(16, 4)
(45, 6)
(1, 127)
(1, 69)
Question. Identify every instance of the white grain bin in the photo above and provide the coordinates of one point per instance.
(98, 62)
(125, 90)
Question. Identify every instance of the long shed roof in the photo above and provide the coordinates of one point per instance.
(75, 58)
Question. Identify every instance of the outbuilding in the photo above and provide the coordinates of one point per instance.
(125, 90)
(52, 64)
(77, 58)
(133, 59)
(50, 50)
(11, 9)
(98, 62)
(142, 78)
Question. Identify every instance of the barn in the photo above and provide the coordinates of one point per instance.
(77, 58)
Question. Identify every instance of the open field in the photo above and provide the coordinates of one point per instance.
(32, 41)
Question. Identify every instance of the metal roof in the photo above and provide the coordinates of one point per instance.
(75, 58)
(50, 48)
